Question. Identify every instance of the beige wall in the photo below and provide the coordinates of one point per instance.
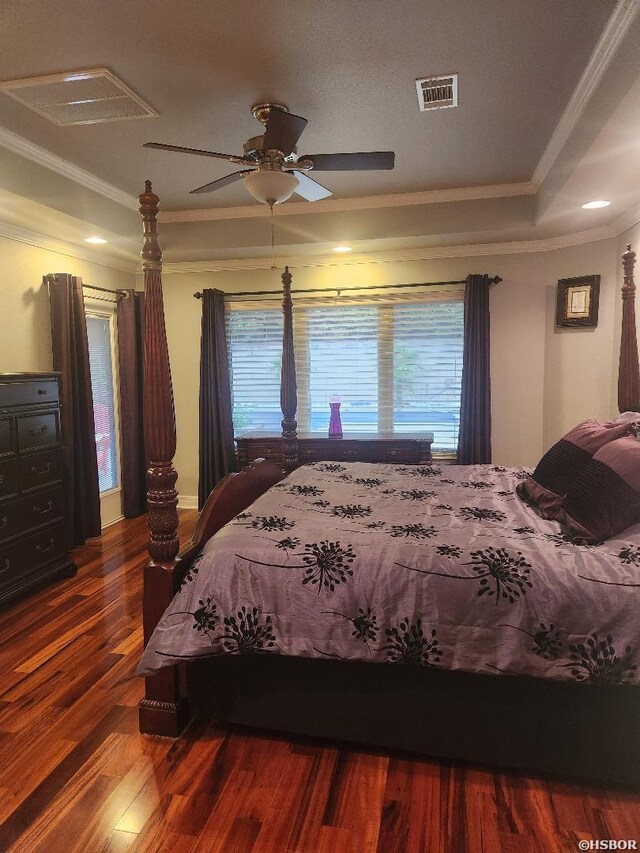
(543, 381)
(581, 363)
(25, 337)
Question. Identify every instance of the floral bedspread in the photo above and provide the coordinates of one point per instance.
(438, 566)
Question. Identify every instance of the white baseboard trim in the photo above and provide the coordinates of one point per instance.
(111, 523)
(188, 502)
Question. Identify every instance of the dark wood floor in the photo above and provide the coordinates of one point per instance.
(76, 775)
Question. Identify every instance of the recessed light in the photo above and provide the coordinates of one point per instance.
(342, 249)
(95, 240)
(594, 205)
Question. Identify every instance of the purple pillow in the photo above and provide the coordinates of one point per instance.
(555, 472)
(604, 498)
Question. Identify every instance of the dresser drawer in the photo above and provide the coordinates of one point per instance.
(309, 453)
(331, 450)
(390, 451)
(40, 469)
(7, 439)
(22, 557)
(8, 478)
(264, 450)
(37, 430)
(28, 393)
(29, 513)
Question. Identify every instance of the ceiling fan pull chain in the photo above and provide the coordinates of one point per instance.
(273, 239)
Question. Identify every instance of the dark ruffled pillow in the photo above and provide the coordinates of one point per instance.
(604, 498)
(555, 472)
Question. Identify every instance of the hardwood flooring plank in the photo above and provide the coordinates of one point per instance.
(118, 842)
(37, 803)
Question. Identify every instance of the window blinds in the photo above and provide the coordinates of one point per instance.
(394, 363)
(254, 344)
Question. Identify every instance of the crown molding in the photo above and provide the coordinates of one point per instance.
(623, 223)
(37, 154)
(60, 247)
(626, 220)
(427, 254)
(334, 205)
(603, 53)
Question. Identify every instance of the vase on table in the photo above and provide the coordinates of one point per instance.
(335, 424)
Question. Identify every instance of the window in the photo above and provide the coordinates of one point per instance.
(99, 334)
(395, 365)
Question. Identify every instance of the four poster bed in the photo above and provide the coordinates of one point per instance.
(319, 628)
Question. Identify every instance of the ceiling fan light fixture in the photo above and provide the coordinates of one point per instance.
(271, 187)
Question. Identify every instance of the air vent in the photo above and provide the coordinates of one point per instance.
(79, 97)
(437, 93)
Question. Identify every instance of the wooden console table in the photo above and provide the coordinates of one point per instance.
(404, 448)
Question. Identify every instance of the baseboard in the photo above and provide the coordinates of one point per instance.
(188, 502)
(111, 523)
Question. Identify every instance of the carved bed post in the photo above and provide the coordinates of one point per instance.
(628, 371)
(288, 390)
(164, 709)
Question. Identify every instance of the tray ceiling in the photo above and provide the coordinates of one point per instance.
(202, 65)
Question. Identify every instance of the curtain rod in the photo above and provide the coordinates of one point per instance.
(123, 293)
(495, 280)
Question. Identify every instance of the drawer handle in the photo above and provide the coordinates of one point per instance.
(40, 471)
(43, 429)
(1, 479)
(394, 452)
(42, 391)
(7, 565)
(44, 548)
(349, 452)
(3, 522)
(44, 511)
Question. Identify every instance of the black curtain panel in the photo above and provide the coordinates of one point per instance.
(217, 457)
(130, 320)
(71, 359)
(474, 437)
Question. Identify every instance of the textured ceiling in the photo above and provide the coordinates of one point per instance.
(348, 66)
(504, 166)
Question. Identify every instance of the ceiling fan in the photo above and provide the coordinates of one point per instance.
(274, 170)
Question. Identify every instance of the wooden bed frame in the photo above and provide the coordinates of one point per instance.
(588, 732)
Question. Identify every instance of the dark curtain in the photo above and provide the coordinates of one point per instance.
(130, 319)
(474, 438)
(71, 359)
(217, 457)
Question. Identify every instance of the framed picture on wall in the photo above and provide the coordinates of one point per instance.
(577, 301)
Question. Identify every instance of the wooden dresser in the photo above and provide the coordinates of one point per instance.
(404, 448)
(34, 534)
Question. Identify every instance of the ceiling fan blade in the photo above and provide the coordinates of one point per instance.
(351, 162)
(221, 182)
(308, 188)
(283, 130)
(233, 158)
